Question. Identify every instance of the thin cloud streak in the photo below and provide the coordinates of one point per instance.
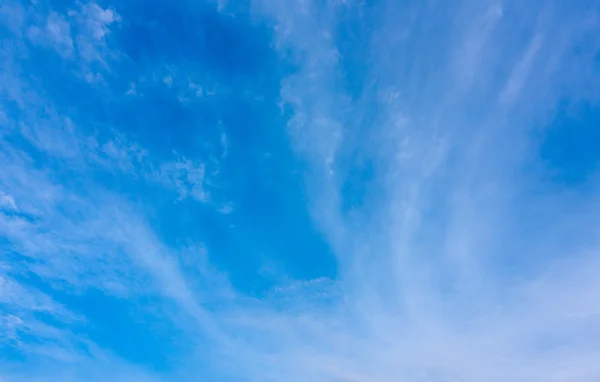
(454, 266)
(426, 293)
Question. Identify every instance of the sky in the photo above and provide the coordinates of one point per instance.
(299, 190)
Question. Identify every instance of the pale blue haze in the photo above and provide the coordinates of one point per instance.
(300, 190)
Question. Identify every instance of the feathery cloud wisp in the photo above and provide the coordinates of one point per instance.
(405, 207)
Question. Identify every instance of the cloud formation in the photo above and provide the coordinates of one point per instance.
(342, 191)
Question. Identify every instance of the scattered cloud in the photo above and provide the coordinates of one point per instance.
(94, 24)
(168, 81)
(413, 132)
(56, 34)
(184, 176)
(7, 201)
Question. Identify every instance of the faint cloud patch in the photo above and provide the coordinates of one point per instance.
(226, 209)
(184, 176)
(7, 201)
(94, 23)
(79, 35)
(55, 34)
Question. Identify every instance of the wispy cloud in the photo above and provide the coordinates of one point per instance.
(416, 131)
(440, 283)
(56, 34)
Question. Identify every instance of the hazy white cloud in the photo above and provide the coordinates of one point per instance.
(457, 266)
(95, 24)
(7, 201)
(427, 293)
(78, 237)
(55, 34)
(79, 35)
(168, 81)
(186, 177)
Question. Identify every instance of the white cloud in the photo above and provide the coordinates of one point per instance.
(132, 90)
(78, 237)
(197, 89)
(95, 23)
(79, 35)
(428, 289)
(521, 70)
(452, 270)
(55, 34)
(98, 20)
(168, 80)
(226, 209)
(185, 176)
(7, 201)
(224, 144)
(12, 15)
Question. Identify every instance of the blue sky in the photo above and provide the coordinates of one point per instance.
(302, 190)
